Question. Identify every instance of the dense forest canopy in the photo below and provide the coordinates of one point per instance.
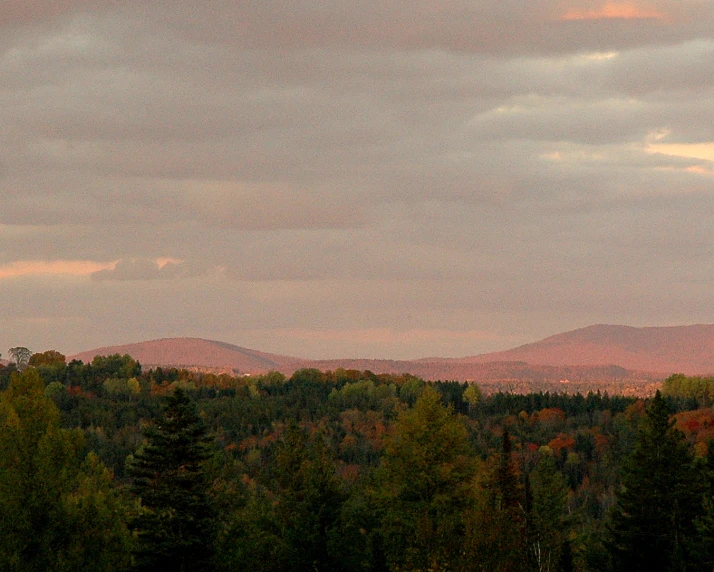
(105, 466)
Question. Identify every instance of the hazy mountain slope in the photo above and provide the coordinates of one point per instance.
(197, 352)
(686, 349)
(595, 352)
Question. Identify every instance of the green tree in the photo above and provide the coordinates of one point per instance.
(292, 521)
(425, 487)
(309, 498)
(547, 530)
(661, 497)
(95, 517)
(58, 512)
(176, 524)
(472, 395)
(50, 357)
(496, 529)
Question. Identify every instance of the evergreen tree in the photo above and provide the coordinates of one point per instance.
(567, 563)
(507, 491)
(653, 525)
(705, 524)
(496, 530)
(176, 524)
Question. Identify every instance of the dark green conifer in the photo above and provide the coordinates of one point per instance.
(496, 534)
(508, 495)
(176, 525)
(653, 525)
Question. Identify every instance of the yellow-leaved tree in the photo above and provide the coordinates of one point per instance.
(424, 488)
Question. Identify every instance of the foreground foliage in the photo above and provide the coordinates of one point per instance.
(59, 508)
(106, 467)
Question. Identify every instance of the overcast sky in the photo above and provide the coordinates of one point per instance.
(353, 179)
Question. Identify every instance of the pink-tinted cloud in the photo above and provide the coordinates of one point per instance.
(703, 151)
(614, 11)
(141, 269)
(52, 267)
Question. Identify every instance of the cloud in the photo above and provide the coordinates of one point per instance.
(454, 25)
(16, 12)
(52, 267)
(397, 175)
(141, 269)
(703, 151)
(612, 10)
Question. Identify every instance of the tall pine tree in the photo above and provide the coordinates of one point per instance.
(176, 524)
(653, 525)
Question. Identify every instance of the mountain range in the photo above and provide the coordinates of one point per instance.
(599, 353)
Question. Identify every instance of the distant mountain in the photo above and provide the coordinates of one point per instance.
(596, 353)
(667, 349)
(196, 352)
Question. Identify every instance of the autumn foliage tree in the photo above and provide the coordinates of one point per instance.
(47, 358)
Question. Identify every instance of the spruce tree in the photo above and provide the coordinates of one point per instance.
(705, 524)
(653, 525)
(175, 527)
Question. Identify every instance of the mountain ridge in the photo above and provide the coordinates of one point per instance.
(584, 353)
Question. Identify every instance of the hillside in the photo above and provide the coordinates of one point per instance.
(196, 352)
(600, 353)
(685, 349)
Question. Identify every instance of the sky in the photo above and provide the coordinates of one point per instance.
(377, 179)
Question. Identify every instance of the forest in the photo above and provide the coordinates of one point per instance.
(106, 466)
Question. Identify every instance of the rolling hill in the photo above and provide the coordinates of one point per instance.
(599, 353)
(197, 352)
(685, 349)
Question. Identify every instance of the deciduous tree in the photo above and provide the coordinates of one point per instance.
(21, 355)
(425, 487)
(547, 532)
(58, 512)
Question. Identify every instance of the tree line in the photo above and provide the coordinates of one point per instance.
(104, 466)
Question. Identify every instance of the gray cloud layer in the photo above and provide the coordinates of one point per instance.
(376, 179)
